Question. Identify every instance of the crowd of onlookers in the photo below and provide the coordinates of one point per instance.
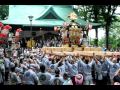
(49, 42)
(35, 67)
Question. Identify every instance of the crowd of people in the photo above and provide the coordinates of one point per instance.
(49, 43)
(35, 67)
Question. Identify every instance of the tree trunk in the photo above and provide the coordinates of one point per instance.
(107, 35)
(96, 13)
(96, 35)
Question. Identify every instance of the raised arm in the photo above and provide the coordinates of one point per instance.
(109, 61)
(67, 63)
(56, 64)
(91, 62)
(80, 61)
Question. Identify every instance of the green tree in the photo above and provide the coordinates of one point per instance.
(91, 13)
(108, 11)
(115, 33)
(114, 37)
(100, 13)
(4, 12)
(101, 42)
(97, 18)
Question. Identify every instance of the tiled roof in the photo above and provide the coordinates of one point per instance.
(18, 15)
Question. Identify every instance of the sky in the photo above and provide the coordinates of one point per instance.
(101, 33)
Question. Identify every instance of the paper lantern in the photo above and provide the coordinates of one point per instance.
(1, 24)
(6, 29)
(90, 26)
(55, 29)
(3, 38)
(18, 32)
(2, 42)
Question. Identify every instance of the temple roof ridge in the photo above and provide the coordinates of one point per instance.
(49, 10)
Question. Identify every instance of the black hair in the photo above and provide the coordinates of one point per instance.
(65, 76)
(118, 59)
(42, 68)
(86, 61)
(60, 64)
(57, 60)
(1, 57)
(57, 72)
(21, 60)
(12, 69)
(52, 61)
(27, 56)
(83, 58)
(16, 64)
(31, 57)
(84, 35)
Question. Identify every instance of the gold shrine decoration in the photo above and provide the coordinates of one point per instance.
(73, 16)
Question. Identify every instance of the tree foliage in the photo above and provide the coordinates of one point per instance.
(114, 38)
(4, 12)
(99, 13)
(108, 11)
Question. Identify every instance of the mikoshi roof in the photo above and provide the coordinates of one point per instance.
(18, 15)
